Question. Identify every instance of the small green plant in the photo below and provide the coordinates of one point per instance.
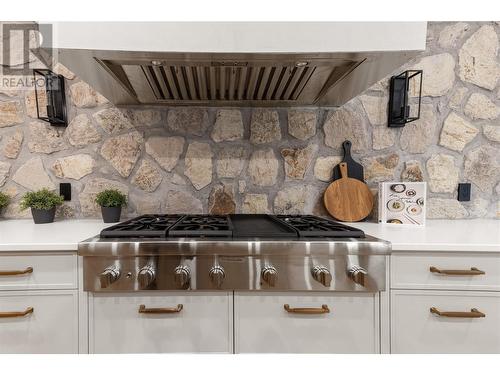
(41, 200)
(4, 200)
(111, 198)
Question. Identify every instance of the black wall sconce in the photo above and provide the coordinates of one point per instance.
(50, 107)
(405, 98)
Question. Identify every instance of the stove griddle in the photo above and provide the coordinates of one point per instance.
(263, 226)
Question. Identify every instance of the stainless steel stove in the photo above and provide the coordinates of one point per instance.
(233, 252)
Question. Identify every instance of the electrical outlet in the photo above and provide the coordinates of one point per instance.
(464, 192)
(65, 190)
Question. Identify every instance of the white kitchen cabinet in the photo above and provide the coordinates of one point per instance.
(46, 322)
(38, 271)
(415, 329)
(450, 271)
(202, 325)
(262, 325)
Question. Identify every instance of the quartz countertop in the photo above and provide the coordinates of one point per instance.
(481, 235)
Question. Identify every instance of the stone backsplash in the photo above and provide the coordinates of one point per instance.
(252, 160)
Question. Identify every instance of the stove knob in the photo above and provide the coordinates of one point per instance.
(109, 276)
(182, 275)
(146, 276)
(270, 275)
(322, 275)
(217, 275)
(357, 274)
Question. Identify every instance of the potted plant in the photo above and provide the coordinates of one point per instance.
(111, 202)
(43, 205)
(4, 200)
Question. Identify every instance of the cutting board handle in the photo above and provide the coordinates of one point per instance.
(347, 149)
(343, 170)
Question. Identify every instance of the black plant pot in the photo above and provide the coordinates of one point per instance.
(43, 216)
(111, 214)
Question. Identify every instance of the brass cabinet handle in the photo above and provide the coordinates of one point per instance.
(474, 313)
(160, 310)
(15, 314)
(17, 272)
(307, 310)
(473, 271)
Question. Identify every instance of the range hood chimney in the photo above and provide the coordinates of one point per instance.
(235, 64)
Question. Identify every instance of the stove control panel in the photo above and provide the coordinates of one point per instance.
(322, 275)
(269, 275)
(110, 275)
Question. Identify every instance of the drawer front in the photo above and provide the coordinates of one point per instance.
(413, 271)
(51, 327)
(415, 329)
(203, 325)
(262, 325)
(47, 271)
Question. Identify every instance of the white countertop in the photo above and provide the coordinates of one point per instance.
(437, 235)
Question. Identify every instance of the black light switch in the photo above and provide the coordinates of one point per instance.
(65, 190)
(464, 192)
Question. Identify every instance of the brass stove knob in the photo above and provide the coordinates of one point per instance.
(270, 275)
(109, 276)
(182, 275)
(322, 275)
(217, 275)
(146, 276)
(357, 274)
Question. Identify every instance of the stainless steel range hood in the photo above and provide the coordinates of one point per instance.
(240, 64)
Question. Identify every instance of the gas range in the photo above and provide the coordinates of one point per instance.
(233, 252)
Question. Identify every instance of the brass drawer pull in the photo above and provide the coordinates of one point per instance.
(472, 272)
(307, 310)
(160, 310)
(17, 272)
(16, 314)
(474, 313)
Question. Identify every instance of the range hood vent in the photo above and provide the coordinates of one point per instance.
(275, 79)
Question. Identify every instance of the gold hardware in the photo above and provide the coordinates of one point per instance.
(15, 314)
(474, 313)
(307, 310)
(18, 272)
(160, 310)
(473, 271)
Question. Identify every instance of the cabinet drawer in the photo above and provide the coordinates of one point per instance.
(262, 325)
(44, 271)
(413, 271)
(415, 329)
(204, 324)
(51, 327)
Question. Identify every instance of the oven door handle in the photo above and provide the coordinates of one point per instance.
(160, 310)
(27, 270)
(307, 310)
(16, 314)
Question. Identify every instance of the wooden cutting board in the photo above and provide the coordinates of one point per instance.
(355, 170)
(348, 199)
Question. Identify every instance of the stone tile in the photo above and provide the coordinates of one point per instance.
(375, 108)
(165, 150)
(302, 123)
(457, 97)
(181, 202)
(221, 200)
(323, 168)
(74, 166)
(147, 177)
(11, 113)
(198, 163)
(480, 107)
(457, 132)
(112, 120)
(263, 167)
(443, 174)
(264, 126)
(383, 137)
(143, 117)
(192, 121)
(230, 161)
(45, 139)
(380, 168)
(92, 187)
(293, 200)
(12, 144)
(452, 34)
(122, 152)
(228, 125)
(255, 204)
(482, 167)
(492, 132)
(439, 71)
(345, 124)
(32, 175)
(418, 135)
(147, 205)
(4, 172)
(478, 58)
(81, 132)
(84, 96)
(298, 160)
(441, 208)
(412, 171)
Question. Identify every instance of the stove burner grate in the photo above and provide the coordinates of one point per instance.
(202, 226)
(143, 226)
(313, 226)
